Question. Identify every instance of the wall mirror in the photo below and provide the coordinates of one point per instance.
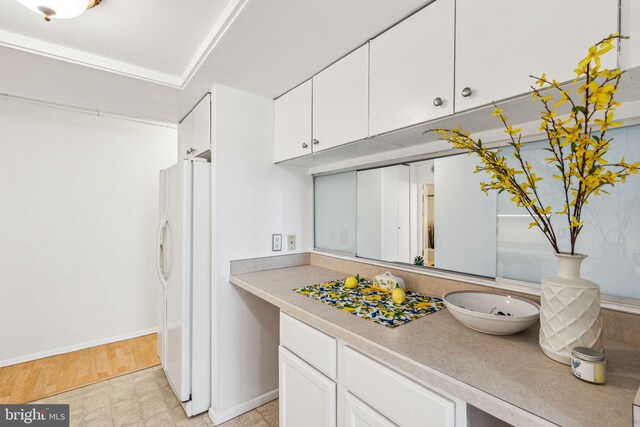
(432, 213)
(427, 213)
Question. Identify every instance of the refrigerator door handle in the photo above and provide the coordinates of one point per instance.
(160, 252)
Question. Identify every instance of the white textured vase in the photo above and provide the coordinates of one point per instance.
(569, 311)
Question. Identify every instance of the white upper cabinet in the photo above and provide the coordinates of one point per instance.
(411, 69)
(499, 43)
(292, 128)
(194, 131)
(341, 101)
(185, 137)
(202, 126)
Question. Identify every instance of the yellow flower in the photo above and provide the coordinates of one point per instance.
(575, 222)
(511, 131)
(591, 56)
(542, 80)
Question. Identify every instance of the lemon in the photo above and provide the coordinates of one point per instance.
(398, 296)
(351, 282)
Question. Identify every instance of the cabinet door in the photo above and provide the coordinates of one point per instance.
(202, 126)
(341, 101)
(398, 398)
(292, 129)
(185, 137)
(359, 414)
(500, 43)
(307, 398)
(412, 67)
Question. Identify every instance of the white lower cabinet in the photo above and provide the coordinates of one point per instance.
(314, 367)
(396, 397)
(359, 414)
(307, 397)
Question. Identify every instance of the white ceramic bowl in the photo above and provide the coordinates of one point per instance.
(492, 312)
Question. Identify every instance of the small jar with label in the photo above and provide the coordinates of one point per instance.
(589, 365)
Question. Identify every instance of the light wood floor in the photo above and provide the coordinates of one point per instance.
(29, 381)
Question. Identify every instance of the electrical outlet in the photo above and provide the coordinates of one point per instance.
(291, 242)
(276, 242)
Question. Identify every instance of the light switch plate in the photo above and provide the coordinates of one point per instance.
(291, 242)
(276, 242)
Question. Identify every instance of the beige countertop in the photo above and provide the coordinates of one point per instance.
(506, 376)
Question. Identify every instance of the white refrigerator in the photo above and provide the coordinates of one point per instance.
(184, 269)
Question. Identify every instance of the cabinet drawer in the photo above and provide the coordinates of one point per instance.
(395, 396)
(314, 347)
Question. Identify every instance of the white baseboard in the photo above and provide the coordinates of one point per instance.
(219, 418)
(75, 347)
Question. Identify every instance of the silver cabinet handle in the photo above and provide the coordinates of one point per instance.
(466, 92)
(305, 145)
(316, 142)
(437, 102)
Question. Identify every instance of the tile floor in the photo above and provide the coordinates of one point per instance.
(144, 398)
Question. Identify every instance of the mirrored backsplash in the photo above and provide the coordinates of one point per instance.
(611, 233)
(432, 213)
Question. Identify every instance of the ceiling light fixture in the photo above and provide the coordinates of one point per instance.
(59, 9)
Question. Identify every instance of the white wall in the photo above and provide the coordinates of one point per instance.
(252, 199)
(78, 209)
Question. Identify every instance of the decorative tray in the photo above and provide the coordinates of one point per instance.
(372, 304)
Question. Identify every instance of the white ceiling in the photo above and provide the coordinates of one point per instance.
(155, 58)
(159, 37)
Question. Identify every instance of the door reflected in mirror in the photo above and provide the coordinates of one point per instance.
(428, 225)
(390, 214)
(383, 223)
(395, 214)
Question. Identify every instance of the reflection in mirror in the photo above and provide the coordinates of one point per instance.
(335, 212)
(428, 225)
(423, 205)
(429, 213)
(465, 238)
(611, 235)
(433, 213)
(383, 214)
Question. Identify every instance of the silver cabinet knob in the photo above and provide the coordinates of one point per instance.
(437, 102)
(316, 142)
(466, 92)
(305, 145)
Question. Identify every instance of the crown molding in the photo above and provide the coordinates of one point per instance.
(79, 57)
(226, 19)
(56, 51)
